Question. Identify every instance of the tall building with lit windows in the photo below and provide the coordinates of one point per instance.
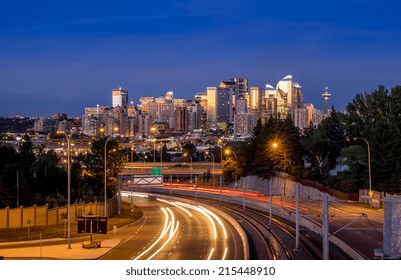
(211, 93)
(306, 116)
(282, 100)
(119, 97)
(224, 108)
(254, 99)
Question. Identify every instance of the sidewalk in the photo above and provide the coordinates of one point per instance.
(33, 250)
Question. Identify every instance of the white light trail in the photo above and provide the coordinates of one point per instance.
(210, 254)
(176, 205)
(165, 228)
(217, 219)
(225, 254)
(173, 230)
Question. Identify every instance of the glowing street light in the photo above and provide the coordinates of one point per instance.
(277, 147)
(212, 169)
(185, 155)
(105, 169)
(153, 130)
(370, 177)
(68, 136)
(221, 149)
(236, 163)
(236, 171)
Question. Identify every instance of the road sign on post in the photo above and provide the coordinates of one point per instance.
(156, 171)
(92, 224)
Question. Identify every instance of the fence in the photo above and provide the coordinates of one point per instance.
(377, 197)
(283, 185)
(43, 216)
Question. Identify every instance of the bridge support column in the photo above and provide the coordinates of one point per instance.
(392, 227)
(119, 195)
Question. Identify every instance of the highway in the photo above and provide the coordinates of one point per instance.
(172, 230)
(355, 224)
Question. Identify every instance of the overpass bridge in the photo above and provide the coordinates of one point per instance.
(178, 169)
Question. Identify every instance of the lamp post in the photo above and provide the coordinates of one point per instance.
(236, 164)
(153, 131)
(105, 171)
(68, 137)
(154, 150)
(221, 149)
(185, 155)
(161, 155)
(212, 170)
(369, 171)
(283, 162)
(105, 176)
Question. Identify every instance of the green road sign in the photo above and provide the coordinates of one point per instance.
(156, 171)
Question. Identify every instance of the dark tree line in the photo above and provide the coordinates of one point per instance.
(278, 145)
(30, 175)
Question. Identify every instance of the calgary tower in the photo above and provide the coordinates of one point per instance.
(326, 96)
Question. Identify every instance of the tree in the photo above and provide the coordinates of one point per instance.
(93, 180)
(50, 179)
(8, 175)
(376, 117)
(278, 148)
(355, 157)
(249, 149)
(321, 151)
(333, 128)
(26, 159)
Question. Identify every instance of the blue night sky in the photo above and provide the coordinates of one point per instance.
(62, 56)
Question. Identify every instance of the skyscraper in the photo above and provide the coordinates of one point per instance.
(119, 97)
(254, 99)
(224, 108)
(211, 107)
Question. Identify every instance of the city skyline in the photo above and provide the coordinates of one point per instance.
(62, 57)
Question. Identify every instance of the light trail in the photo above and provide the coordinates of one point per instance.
(176, 205)
(211, 217)
(217, 219)
(173, 230)
(166, 226)
(210, 254)
(225, 254)
(128, 194)
(200, 210)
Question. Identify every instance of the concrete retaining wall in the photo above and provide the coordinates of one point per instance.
(42, 216)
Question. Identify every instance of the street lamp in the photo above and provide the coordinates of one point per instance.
(221, 149)
(236, 171)
(236, 164)
(153, 131)
(212, 170)
(68, 136)
(154, 150)
(370, 177)
(105, 170)
(161, 155)
(185, 155)
(281, 161)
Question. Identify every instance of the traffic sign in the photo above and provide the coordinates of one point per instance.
(156, 171)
